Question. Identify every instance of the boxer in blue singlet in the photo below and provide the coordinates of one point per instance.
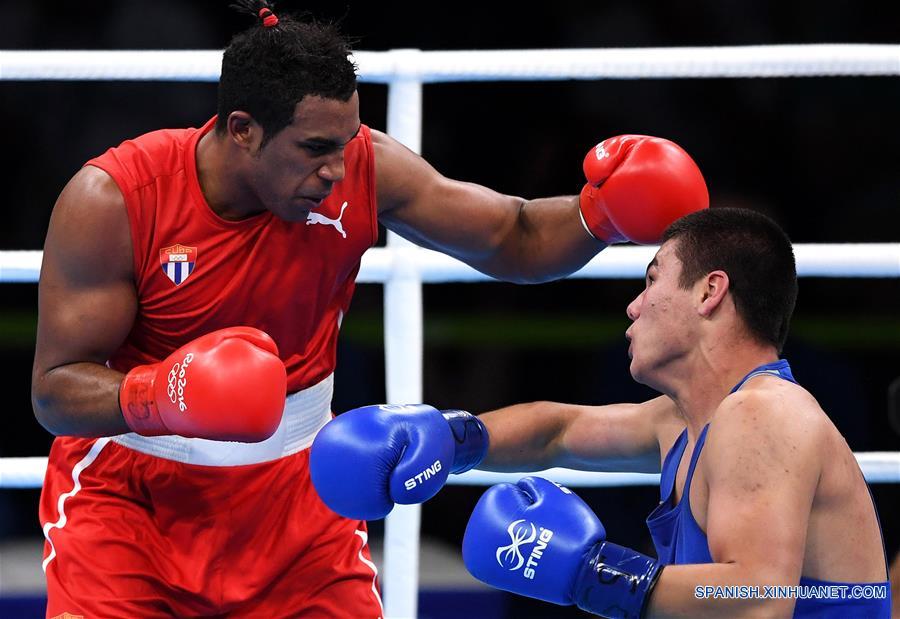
(770, 516)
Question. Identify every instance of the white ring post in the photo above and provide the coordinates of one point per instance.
(403, 351)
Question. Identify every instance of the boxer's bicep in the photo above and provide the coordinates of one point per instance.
(86, 294)
(86, 304)
(465, 220)
(762, 475)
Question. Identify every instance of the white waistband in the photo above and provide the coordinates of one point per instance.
(305, 412)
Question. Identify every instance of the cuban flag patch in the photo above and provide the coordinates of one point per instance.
(178, 262)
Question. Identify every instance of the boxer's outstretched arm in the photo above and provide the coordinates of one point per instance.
(87, 304)
(637, 186)
(507, 237)
(403, 454)
(617, 437)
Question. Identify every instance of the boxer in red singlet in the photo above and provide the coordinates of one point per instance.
(192, 289)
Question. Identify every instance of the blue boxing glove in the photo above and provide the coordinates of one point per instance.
(536, 538)
(367, 459)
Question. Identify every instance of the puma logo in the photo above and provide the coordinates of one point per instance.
(319, 218)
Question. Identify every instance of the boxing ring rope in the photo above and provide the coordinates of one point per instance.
(498, 65)
(403, 268)
(383, 264)
(878, 467)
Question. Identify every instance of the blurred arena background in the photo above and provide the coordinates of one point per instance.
(817, 154)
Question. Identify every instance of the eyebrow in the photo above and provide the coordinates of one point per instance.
(653, 263)
(330, 142)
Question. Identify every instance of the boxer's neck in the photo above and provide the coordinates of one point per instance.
(708, 376)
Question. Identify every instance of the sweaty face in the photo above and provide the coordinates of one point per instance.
(662, 315)
(298, 167)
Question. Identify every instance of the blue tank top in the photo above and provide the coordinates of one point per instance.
(680, 540)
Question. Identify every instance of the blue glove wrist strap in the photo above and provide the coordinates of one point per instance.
(616, 582)
(471, 437)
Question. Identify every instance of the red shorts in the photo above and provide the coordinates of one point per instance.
(134, 535)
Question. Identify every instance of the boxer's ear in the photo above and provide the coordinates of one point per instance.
(244, 131)
(712, 290)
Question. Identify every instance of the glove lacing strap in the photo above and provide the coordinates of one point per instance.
(471, 437)
(137, 401)
(616, 582)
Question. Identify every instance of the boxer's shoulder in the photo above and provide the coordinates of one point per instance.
(771, 401)
(770, 420)
(89, 213)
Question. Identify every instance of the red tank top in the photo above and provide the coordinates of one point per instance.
(196, 272)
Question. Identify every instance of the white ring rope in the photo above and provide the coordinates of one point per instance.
(382, 264)
(877, 467)
(498, 65)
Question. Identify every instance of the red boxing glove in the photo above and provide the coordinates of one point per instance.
(636, 186)
(228, 385)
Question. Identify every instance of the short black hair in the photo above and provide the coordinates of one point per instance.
(268, 69)
(757, 256)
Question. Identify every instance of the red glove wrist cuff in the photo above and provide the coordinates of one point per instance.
(138, 402)
(595, 219)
